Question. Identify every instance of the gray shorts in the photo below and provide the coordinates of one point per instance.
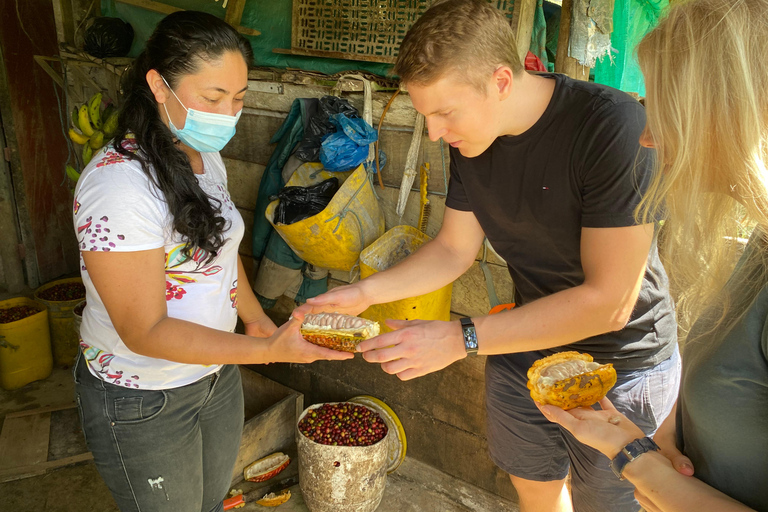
(524, 444)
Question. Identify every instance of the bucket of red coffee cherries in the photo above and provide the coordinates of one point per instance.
(342, 457)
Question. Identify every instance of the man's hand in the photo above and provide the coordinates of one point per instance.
(415, 347)
(350, 300)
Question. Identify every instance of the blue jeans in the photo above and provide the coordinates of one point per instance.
(525, 444)
(166, 450)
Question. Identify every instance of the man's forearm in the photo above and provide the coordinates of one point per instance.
(417, 274)
(558, 319)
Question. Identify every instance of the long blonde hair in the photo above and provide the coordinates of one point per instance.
(706, 71)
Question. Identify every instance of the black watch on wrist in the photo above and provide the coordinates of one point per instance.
(630, 452)
(470, 336)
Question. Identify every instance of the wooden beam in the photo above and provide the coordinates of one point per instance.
(247, 31)
(234, 13)
(151, 5)
(42, 61)
(65, 26)
(564, 63)
(522, 23)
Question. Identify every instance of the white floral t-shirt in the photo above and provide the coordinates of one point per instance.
(118, 209)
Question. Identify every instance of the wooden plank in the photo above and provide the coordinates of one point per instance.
(151, 5)
(522, 23)
(7, 475)
(336, 55)
(24, 440)
(564, 63)
(41, 410)
(42, 62)
(65, 26)
(234, 13)
(268, 432)
(247, 31)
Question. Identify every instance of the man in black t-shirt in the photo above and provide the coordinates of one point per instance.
(549, 169)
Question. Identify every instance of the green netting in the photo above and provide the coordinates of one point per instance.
(272, 19)
(632, 19)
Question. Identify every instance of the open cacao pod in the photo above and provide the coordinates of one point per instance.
(569, 380)
(338, 331)
(273, 500)
(266, 468)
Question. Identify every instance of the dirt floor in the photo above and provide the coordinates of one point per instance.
(76, 488)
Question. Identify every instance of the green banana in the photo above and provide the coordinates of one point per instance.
(75, 121)
(85, 121)
(94, 110)
(73, 174)
(97, 139)
(87, 154)
(77, 137)
(108, 111)
(110, 125)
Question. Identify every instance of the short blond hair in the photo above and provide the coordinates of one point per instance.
(470, 38)
(706, 78)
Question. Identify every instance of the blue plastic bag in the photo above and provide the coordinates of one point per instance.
(348, 147)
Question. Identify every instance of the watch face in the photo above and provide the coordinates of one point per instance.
(470, 338)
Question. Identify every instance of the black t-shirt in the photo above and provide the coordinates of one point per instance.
(580, 165)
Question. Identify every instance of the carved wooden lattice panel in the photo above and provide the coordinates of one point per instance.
(369, 30)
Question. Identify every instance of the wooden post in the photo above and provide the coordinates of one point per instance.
(234, 13)
(563, 62)
(522, 23)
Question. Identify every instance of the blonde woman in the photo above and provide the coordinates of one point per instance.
(707, 81)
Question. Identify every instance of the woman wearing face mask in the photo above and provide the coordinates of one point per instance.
(707, 83)
(156, 381)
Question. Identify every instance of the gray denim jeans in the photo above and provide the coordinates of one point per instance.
(524, 443)
(169, 450)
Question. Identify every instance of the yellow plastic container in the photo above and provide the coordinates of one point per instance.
(396, 244)
(65, 339)
(333, 238)
(25, 346)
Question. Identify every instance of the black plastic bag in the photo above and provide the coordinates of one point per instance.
(108, 37)
(320, 125)
(299, 203)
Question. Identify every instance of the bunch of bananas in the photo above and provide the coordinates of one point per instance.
(91, 127)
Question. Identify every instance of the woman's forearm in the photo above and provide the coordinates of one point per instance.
(653, 475)
(186, 342)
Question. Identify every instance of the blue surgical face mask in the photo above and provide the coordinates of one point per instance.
(204, 131)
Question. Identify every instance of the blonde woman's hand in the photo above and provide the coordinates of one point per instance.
(666, 437)
(287, 345)
(349, 299)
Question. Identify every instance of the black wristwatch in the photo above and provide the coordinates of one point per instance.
(470, 336)
(630, 452)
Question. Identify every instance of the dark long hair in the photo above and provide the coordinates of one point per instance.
(178, 46)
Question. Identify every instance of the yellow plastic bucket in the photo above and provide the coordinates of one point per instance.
(396, 244)
(65, 340)
(25, 346)
(333, 238)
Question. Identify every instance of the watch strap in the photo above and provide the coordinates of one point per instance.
(630, 452)
(470, 335)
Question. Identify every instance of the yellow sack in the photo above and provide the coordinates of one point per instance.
(333, 238)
